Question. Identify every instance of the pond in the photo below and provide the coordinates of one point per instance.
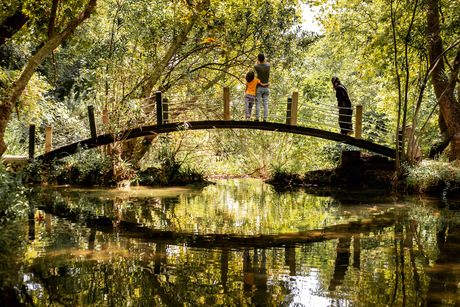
(240, 242)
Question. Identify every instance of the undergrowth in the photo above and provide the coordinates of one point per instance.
(434, 177)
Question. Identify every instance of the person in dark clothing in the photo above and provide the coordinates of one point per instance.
(344, 106)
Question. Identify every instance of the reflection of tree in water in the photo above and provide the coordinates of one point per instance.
(383, 260)
(255, 277)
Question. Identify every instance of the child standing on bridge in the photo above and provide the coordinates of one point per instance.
(250, 93)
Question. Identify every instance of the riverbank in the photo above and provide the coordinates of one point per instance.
(358, 171)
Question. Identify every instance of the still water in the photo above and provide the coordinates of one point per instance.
(240, 243)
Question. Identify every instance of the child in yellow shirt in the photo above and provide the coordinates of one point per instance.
(250, 93)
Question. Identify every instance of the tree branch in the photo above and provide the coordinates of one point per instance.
(52, 19)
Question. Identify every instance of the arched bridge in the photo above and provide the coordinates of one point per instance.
(166, 115)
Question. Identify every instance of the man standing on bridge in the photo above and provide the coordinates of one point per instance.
(263, 74)
(344, 106)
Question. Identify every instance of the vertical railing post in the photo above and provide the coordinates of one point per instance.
(294, 104)
(48, 138)
(359, 122)
(226, 103)
(165, 110)
(159, 110)
(31, 141)
(105, 118)
(92, 122)
(288, 111)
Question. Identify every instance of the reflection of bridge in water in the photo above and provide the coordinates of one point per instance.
(159, 114)
(352, 247)
(254, 247)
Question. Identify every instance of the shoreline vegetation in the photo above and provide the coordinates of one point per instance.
(356, 172)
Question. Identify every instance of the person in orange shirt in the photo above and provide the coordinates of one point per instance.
(250, 93)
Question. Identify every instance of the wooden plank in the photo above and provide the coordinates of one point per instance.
(358, 122)
(92, 121)
(295, 102)
(226, 103)
(48, 138)
(8, 159)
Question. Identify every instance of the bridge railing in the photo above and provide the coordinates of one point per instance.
(161, 109)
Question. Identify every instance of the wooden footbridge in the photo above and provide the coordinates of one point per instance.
(167, 114)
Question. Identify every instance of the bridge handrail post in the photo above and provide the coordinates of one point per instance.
(294, 104)
(31, 141)
(92, 121)
(159, 109)
(105, 117)
(291, 109)
(288, 111)
(48, 138)
(105, 120)
(165, 110)
(359, 122)
(226, 103)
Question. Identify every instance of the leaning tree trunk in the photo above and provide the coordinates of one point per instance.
(8, 103)
(442, 144)
(133, 150)
(443, 84)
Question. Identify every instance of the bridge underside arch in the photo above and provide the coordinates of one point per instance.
(206, 125)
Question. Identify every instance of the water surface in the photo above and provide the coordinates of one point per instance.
(240, 243)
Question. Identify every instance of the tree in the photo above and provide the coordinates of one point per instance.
(358, 33)
(61, 21)
(444, 83)
(186, 48)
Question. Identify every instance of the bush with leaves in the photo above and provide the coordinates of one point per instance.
(86, 167)
(434, 177)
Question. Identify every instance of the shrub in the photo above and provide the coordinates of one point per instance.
(433, 177)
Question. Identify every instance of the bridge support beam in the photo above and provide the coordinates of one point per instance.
(359, 122)
(226, 103)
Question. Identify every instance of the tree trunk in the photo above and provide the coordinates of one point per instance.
(8, 103)
(444, 85)
(134, 150)
(177, 43)
(442, 144)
